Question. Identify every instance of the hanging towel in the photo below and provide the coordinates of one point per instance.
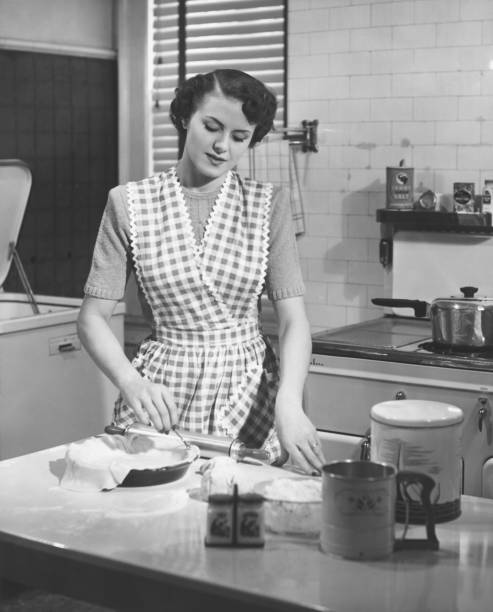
(274, 160)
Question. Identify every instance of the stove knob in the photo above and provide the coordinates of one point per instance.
(400, 395)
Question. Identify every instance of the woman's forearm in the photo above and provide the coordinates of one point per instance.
(294, 353)
(104, 348)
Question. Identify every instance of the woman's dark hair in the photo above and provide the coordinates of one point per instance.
(259, 103)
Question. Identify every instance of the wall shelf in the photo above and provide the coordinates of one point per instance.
(432, 221)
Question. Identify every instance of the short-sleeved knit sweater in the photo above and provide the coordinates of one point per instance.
(112, 258)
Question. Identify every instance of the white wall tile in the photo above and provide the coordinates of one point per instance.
(349, 110)
(359, 226)
(348, 157)
(381, 157)
(420, 84)
(351, 203)
(370, 86)
(299, 44)
(367, 180)
(309, 21)
(328, 87)
(308, 109)
(324, 316)
(325, 225)
(406, 133)
(394, 61)
(370, 134)
(390, 109)
(438, 108)
(486, 128)
(347, 295)
(458, 33)
(458, 132)
(479, 108)
(413, 36)
(364, 273)
(392, 13)
(345, 249)
(326, 270)
(356, 315)
(316, 293)
(437, 11)
(479, 157)
(435, 157)
(486, 82)
(487, 32)
(349, 17)
(316, 201)
(335, 41)
(476, 9)
(350, 63)
(304, 66)
(370, 39)
(312, 246)
(458, 83)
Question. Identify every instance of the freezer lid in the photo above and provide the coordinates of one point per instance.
(15, 186)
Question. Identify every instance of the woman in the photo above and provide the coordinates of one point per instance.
(202, 242)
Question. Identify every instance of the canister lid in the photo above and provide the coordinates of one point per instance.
(15, 186)
(416, 413)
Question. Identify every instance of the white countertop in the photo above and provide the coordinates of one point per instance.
(148, 544)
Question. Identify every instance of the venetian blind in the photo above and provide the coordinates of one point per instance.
(245, 34)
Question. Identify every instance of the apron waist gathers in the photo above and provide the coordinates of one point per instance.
(246, 331)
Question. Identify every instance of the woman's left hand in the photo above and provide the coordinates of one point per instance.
(298, 435)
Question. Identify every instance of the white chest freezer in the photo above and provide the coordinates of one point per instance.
(50, 390)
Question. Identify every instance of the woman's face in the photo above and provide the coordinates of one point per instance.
(218, 134)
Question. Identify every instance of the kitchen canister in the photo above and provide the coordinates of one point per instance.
(421, 436)
(400, 188)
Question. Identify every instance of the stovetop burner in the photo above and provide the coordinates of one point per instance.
(440, 349)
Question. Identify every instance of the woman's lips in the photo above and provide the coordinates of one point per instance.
(215, 160)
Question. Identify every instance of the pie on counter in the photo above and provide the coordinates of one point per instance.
(103, 462)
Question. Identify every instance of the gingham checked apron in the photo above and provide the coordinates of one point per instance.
(206, 346)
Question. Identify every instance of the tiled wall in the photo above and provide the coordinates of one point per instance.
(58, 114)
(388, 80)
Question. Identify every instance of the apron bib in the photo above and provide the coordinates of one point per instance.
(206, 346)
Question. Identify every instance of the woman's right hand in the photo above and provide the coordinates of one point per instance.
(151, 402)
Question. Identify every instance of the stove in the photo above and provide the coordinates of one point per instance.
(398, 339)
(393, 357)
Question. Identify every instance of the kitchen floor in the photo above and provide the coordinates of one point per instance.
(36, 600)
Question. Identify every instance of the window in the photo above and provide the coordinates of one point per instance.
(192, 36)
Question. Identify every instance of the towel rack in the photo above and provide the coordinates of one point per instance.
(306, 135)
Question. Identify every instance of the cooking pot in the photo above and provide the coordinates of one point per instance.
(459, 322)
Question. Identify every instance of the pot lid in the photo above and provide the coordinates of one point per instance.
(416, 413)
(15, 186)
(465, 300)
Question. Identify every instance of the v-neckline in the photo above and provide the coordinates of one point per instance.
(199, 246)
